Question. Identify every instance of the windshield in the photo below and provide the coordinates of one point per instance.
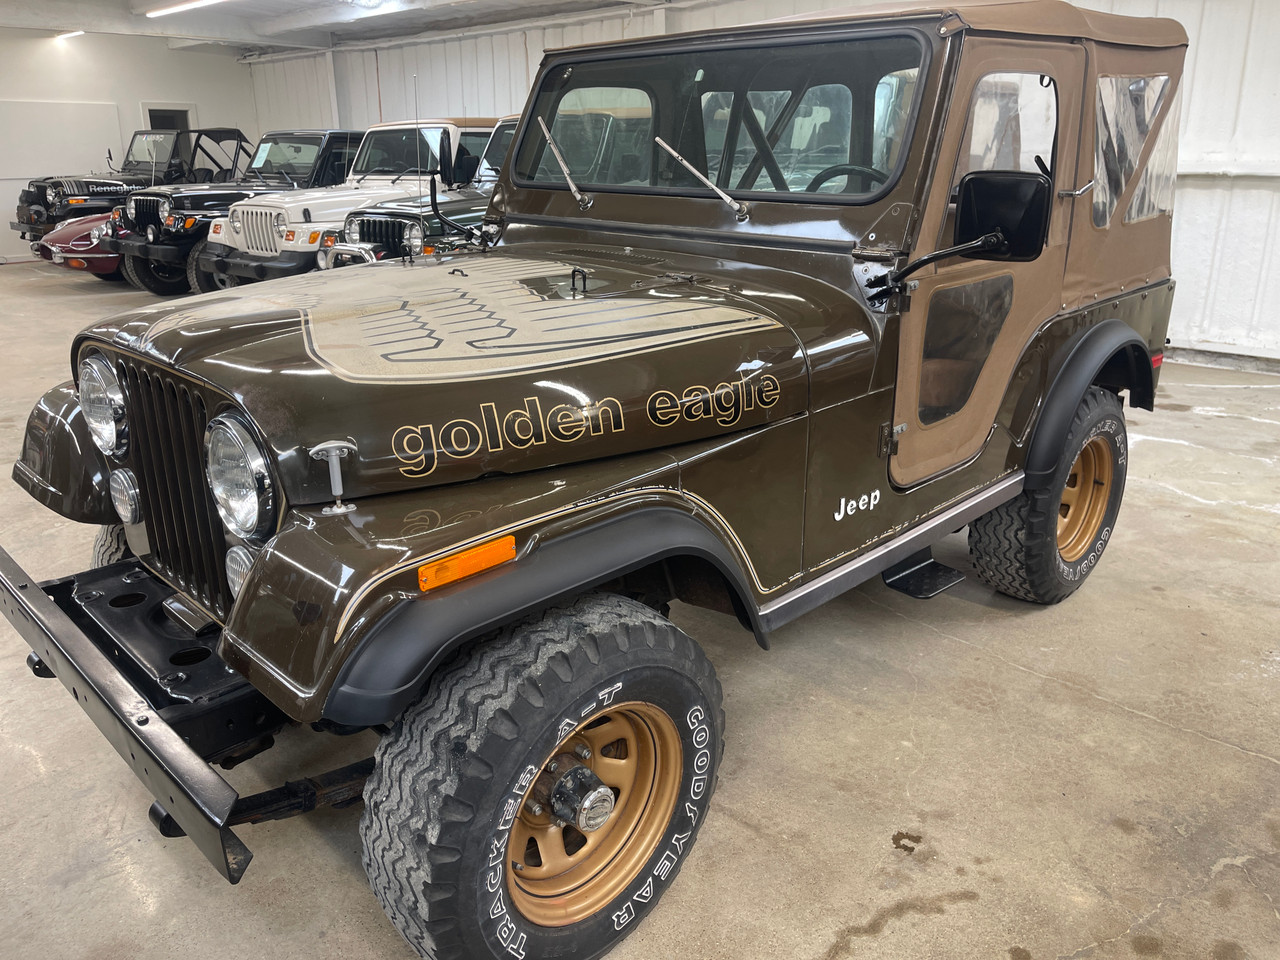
(786, 122)
(151, 147)
(294, 156)
(397, 150)
(498, 146)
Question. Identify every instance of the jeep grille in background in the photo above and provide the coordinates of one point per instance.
(148, 212)
(384, 232)
(260, 230)
(167, 418)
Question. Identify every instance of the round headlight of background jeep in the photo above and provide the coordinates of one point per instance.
(282, 225)
(102, 402)
(238, 478)
(239, 562)
(352, 230)
(131, 208)
(413, 237)
(164, 210)
(236, 223)
(125, 496)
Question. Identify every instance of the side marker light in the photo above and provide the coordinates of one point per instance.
(466, 563)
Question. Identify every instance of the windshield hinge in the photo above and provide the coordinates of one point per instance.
(889, 433)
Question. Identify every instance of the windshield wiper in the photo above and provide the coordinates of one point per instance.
(259, 173)
(405, 173)
(285, 173)
(373, 171)
(584, 199)
(737, 206)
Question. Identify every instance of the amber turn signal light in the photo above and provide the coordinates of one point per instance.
(466, 563)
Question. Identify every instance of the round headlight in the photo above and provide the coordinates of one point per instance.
(352, 229)
(97, 233)
(102, 401)
(413, 237)
(238, 478)
(131, 208)
(282, 225)
(236, 223)
(239, 561)
(165, 208)
(125, 496)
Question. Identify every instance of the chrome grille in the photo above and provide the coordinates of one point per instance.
(167, 420)
(148, 212)
(259, 230)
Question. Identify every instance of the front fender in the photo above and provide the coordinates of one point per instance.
(60, 466)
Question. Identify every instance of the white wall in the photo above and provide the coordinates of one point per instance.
(1226, 229)
(94, 74)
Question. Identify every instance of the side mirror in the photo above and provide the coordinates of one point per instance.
(466, 167)
(1016, 205)
(446, 158)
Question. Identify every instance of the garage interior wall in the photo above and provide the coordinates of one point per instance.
(1227, 227)
(101, 80)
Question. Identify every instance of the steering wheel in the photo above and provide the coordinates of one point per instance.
(840, 170)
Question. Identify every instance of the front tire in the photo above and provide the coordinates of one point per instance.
(110, 545)
(202, 281)
(468, 842)
(1041, 545)
(162, 279)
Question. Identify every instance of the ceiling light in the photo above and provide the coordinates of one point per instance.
(69, 35)
(180, 7)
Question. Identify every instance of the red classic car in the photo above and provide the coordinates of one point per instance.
(74, 245)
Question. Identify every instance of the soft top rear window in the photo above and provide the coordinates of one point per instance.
(812, 122)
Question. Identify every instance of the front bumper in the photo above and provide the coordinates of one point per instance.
(221, 259)
(346, 254)
(161, 741)
(32, 231)
(134, 245)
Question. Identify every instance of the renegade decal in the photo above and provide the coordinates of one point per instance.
(420, 446)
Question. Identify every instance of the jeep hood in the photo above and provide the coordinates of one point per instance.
(331, 204)
(452, 369)
(197, 197)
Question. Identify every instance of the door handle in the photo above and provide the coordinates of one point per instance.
(1076, 194)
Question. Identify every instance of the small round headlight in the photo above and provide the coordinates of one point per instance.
(238, 478)
(282, 225)
(165, 208)
(236, 223)
(352, 230)
(97, 233)
(131, 208)
(125, 496)
(413, 237)
(239, 562)
(102, 402)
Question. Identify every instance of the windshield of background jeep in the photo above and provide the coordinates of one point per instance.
(395, 151)
(294, 156)
(779, 122)
(148, 148)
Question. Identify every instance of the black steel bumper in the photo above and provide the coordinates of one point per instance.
(33, 231)
(227, 260)
(146, 737)
(137, 246)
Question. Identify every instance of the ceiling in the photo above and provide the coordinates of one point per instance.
(275, 25)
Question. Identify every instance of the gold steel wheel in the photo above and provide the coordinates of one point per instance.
(558, 874)
(1084, 499)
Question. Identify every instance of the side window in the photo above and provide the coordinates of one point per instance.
(1013, 120)
(473, 142)
(894, 96)
(1126, 108)
(1153, 196)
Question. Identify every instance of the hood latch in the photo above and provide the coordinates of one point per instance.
(334, 451)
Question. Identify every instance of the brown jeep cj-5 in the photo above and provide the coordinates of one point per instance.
(752, 317)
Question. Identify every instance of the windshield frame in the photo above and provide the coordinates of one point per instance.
(529, 134)
(425, 131)
(143, 136)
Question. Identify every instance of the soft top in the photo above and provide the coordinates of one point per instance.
(435, 121)
(1054, 18)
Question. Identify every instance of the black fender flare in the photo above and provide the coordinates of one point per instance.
(393, 662)
(60, 466)
(1110, 354)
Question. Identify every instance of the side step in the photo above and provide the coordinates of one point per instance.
(921, 576)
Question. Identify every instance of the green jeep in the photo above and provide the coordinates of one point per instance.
(753, 317)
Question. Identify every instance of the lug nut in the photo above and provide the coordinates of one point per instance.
(583, 751)
(534, 808)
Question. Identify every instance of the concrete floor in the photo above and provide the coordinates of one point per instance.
(1098, 779)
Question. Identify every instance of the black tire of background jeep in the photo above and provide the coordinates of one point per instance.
(202, 281)
(115, 276)
(126, 271)
(457, 779)
(1041, 545)
(162, 279)
(110, 545)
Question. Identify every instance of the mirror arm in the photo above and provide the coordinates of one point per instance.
(892, 283)
(471, 233)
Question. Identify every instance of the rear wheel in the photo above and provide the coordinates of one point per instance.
(162, 279)
(1041, 545)
(202, 281)
(541, 796)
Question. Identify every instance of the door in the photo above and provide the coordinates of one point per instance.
(1016, 107)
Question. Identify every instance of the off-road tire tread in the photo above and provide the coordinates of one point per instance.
(130, 276)
(471, 693)
(150, 282)
(110, 545)
(1002, 541)
(195, 274)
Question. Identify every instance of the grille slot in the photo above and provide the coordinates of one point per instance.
(383, 231)
(259, 230)
(148, 212)
(168, 417)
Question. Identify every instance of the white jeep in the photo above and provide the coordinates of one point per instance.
(278, 236)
